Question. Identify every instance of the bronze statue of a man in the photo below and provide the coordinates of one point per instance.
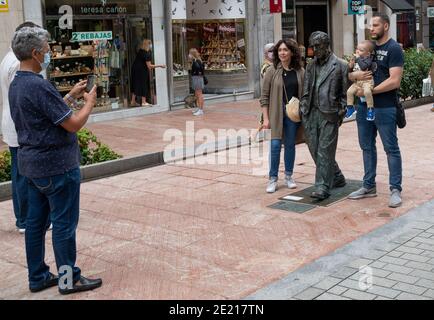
(323, 107)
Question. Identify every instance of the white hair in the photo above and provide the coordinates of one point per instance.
(28, 39)
(268, 47)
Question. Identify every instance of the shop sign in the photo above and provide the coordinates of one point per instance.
(91, 36)
(4, 6)
(356, 7)
(208, 29)
(275, 6)
(430, 12)
(226, 29)
(241, 43)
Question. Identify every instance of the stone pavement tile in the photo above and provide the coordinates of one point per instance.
(414, 257)
(358, 295)
(409, 296)
(337, 290)
(356, 264)
(382, 298)
(409, 250)
(11, 239)
(420, 265)
(393, 260)
(350, 284)
(425, 246)
(395, 254)
(428, 253)
(429, 293)
(412, 244)
(425, 283)
(423, 274)
(426, 235)
(409, 288)
(17, 255)
(112, 226)
(309, 294)
(124, 283)
(382, 291)
(374, 254)
(377, 264)
(344, 272)
(166, 239)
(420, 225)
(376, 279)
(424, 240)
(330, 296)
(402, 278)
(398, 269)
(200, 174)
(327, 283)
(231, 245)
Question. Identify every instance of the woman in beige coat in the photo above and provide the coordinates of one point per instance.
(282, 81)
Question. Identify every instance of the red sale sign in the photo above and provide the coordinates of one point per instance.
(275, 6)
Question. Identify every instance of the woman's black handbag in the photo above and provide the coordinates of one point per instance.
(401, 122)
(205, 80)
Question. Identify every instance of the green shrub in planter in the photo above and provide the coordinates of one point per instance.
(5, 166)
(416, 68)
(91, 149)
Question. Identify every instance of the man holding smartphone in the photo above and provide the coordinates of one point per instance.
(49, 158)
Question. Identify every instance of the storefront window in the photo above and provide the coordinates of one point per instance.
(103, 41)
(217, 30)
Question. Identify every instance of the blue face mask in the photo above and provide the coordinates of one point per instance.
(47, 60)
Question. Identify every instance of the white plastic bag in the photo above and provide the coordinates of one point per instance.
(427, 89)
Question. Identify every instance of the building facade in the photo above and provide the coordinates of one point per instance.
(102, 37)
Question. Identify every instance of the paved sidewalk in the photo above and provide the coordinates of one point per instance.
(139, 135)
(395, 261)
(204, 231)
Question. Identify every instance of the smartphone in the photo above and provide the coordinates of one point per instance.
(91, 79)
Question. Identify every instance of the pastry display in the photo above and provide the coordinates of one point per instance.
(220, 50)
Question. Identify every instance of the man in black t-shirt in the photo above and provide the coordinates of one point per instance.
(387, 79)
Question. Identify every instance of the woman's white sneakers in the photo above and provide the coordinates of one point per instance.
(272, 184)
(289, 181)
(199, 112)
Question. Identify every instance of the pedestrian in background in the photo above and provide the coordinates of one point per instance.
(49, 158)
(432, 80)
(140, 74)
(283, 80)
(197, 79)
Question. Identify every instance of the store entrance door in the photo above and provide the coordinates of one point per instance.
(137, 30)
(310, 18)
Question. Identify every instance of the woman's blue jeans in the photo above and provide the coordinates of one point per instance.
(289, 134)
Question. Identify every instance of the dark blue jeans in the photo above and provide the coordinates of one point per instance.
(385, 124)
(289, 134)
(19, 191)
(59, 197)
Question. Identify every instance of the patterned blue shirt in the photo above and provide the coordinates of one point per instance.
(46, 148)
